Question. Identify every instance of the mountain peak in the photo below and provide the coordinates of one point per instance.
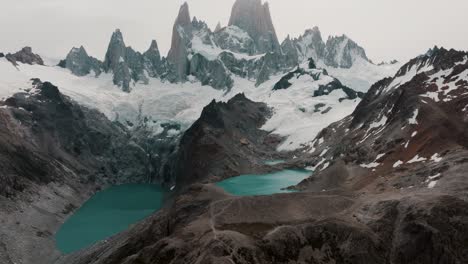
(183, 18)
(154, 45)
(115, 51)
(254, 17)
(181, 37)
(218, 27)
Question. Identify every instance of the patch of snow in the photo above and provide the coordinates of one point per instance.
(414, 134)
(370, 165)
(362, 74)
(417, 159)
(413, 120)
(408, 76)
(397, 164)
(432, 184)
(323, 152)
(407, 144)
(436, 158)
(212, 52)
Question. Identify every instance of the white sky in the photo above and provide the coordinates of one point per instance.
(387, 29)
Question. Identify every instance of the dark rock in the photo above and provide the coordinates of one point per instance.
(254, 17)
(26, 56)
(213, 148)
(58, 136)
(181, 37)
(80, 63)
(210, 73)
(341, 52)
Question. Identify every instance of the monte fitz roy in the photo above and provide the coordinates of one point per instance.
(234, 147)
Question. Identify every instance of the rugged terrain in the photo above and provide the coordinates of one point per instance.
(55, 154)
(389, 187)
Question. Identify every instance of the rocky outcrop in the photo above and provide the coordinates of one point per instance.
(235, 39)
(218, 27)
(315, 75)
(342, 52)
(26, 56)
(309, 45)
(181, 37)
(212, 73)
(337, 52)
(130, 67)
(225, 141)
(80, 63)
(254, 17)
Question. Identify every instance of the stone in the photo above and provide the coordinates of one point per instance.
(181, 37)
(254, 17)
(26, 56)
(80, 63)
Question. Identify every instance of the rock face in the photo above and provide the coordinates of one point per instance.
(389, 186)
(235, 39)
(309, 45)
(80, 63)
(51, 128)
(26, 56)
(212, 73)
(337, 52)
(254, 17)
(224, 142)
(181, 37)
(212, 57)
(342, 52)
(127, 65)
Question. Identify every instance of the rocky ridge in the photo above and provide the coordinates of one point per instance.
(26, 56)
(127, 65)
(337, 51)
(247, 47)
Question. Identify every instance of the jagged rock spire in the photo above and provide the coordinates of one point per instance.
(218, 27)
(254, 17)
(80, 63)
(115, 52)
(181, 36)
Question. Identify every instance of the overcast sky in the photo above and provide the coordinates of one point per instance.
(387, 29)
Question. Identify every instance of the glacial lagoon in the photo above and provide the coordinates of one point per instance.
(263, 184)
(107, 213)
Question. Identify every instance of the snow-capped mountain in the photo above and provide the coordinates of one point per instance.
(341, 56)
(247, 47)
(389, 182)
(412, 121)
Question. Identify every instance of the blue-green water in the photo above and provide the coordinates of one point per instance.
(263, 184)
(274, 162)
(107, 213)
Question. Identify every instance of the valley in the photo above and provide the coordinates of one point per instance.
(236, 147)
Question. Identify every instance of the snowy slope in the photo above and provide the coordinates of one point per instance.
(294, 116)
(362, 74)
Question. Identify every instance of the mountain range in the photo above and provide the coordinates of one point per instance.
(386, 146)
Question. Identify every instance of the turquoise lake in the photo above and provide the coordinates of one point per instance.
(107, 213)
(263, 184)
